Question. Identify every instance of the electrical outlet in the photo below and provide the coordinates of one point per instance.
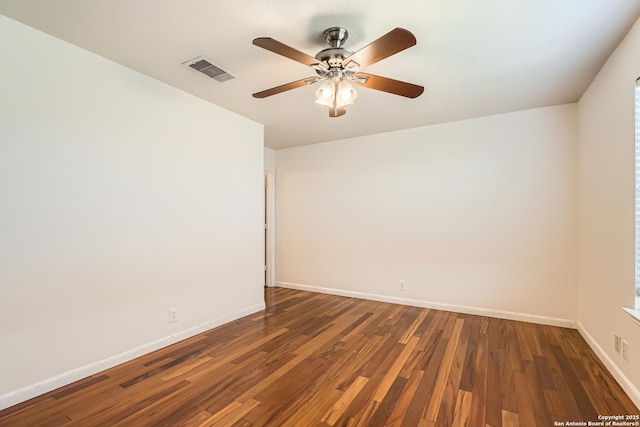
(618, 343)
(402, 285)
(625, 350)
(173, 315)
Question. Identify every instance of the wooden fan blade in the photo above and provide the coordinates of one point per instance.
(285, 87)
(385, 84)
(337, 112)
(391, 43)
(282, 49)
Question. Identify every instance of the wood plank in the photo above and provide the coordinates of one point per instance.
(79, 386)
(403, 401)
(384, 410)
(414, 326)
(468, 372)
(583, 402)
(536, 394)
(463, 409)
(554, 403)
(127, 413)
(506, 382)
(310, 414)
(510, 419)
(479, 399)
(365, 414)
(544, 374)
(435, 401)
(376, 370)
(530, 331)
(517, 363)
(523, 341)
(494, 384)
(526, 417)
(448, 400)
(231, 415)
(394, 370)
(339, 407)
(423, 392)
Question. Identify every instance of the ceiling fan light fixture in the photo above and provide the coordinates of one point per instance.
(325, 95)
(346, 93)
(335, 95)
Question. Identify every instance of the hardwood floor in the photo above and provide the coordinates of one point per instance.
(322, 360)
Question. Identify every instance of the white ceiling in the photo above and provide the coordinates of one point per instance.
(474, 58)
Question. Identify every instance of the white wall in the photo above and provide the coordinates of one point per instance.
(120, 198)
(269, 158)
(478, 215)
(606, 176)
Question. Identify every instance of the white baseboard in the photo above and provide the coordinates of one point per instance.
(532, 318)
(631, 390)
(49, 384)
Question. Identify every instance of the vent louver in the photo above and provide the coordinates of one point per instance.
(209, 69)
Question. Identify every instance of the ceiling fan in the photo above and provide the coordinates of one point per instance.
(337, 67)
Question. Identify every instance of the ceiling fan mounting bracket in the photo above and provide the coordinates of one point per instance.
(336, 36)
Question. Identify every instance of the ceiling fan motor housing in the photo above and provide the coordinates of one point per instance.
(335, 37)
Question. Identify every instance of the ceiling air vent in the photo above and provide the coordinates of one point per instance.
(209, 69)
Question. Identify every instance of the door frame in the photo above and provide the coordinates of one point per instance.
(269, 213)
